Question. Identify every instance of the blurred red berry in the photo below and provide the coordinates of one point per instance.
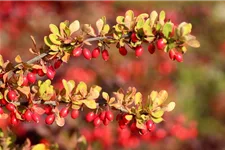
(139, 51)
(105, 55)
(151, 48)
(50, 73)
(97, 121)
(50, 119)
(161, 43)
(25, 81)
(95, 52)
(179, 57)
(123, 51)
(57, 64)
(134, 37)
(109, 115)
(64, 112)
(12, 95)
(31, 77)
(75, 113)
(77, 51)
(87, 54)
(28, 115)
(90, 116)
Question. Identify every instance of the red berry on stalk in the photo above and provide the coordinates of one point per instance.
(77, 51)
(90, 116)
(25, 81)
(75, 113)
(57, 64)
(105, 121)
(172, 54)
(179, 57)
(3, 101)
(150, 125)
(11, 107)
(35, 117)
(151, 48)
(87, 54)
(31, 77)
(139, 51)
(109, 115)
(13, 120)
(48, 110)
(123, 51)
(161, 43)
(12, 95)
(122, 125)
(28, 115)
(50, 119)
(105, 55)
(134, 37)
(97, 121)
(1, 110)
(50, 72)
(133, 127)
(95, 52)
(102, 115)
(41, 73)
(64, 112)
(35, 71)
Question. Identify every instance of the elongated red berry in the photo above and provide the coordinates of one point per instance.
(95, 52)
(77, 51)
(64, 112)
(35, 117)
(41, 73)
(50, 72)
(134, 37)
(50, 119)
(102, 115)
(25, 81)
(150, 125)
(106, 121)
(75, 113)
(109, 115)
(87, 54)
(13, 120)
(57, 64)
(123, 51)
(90, 116)
(105, 55)
(1, 110)
(151, 48)
(3, 101)
(48, 110)
(179, 57)
(28, 115)
(97, 121)
(122, 125)
(12, 95)
(31, 77)
(11, 107)
(161, 43)
(139, 51)
(172, 54)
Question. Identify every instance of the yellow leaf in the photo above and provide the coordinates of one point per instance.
(39, 147)
(138, 98)
(18, 59)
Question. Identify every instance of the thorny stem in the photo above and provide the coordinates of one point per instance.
(87, 40)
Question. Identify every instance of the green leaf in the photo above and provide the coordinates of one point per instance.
(82, 88)
(46, 90)
(149, 39)
(157, 114)
(54, 39)
(129, 19)
(129, 117)
(54, 29)
(157, 120)
(68, 86)
(162, 16)
(153, 17)
(105, 29)
(140, 23)
(39, 147)
(161, 97)
(54, 48)
(143, 15)
(140, 124)
(138, 98)
(186, 29)
(167, 29)
(193, 43)
(120, 19)
(1, 95)
(74, 26)
(147, 28)
(90, 103)
(170, 106)
(48, 41)
(105, 96)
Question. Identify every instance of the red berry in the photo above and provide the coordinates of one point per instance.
(64, 112)
(28, 115)
(105, 55)
(50, 119)
(123, 51)
(12, 95)
(3, 101)
(139, 51)
(143, 131)
(95, 52)
(150, 125)
(35, 117)
(133, 127)
(102, 115)
(77, 51)
(87, 54)
(1, 110)
(11, 107)
(161, 43)
(97, 121)
(122, 125)
(13, 120)
(90, 116)
(179, 57)
(50, 72)
(105, 121)
(109, 115)
(172, 54)
(57, 64)
(25, 81)
(41, 73)
(134, 38)
(35, 71)
(151, 48)
(75, 113)
(31, 77)
(48, 110)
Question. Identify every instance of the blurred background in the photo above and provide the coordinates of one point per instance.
(197, 85)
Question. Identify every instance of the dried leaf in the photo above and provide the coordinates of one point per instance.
(74, 26)
(18, 59)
